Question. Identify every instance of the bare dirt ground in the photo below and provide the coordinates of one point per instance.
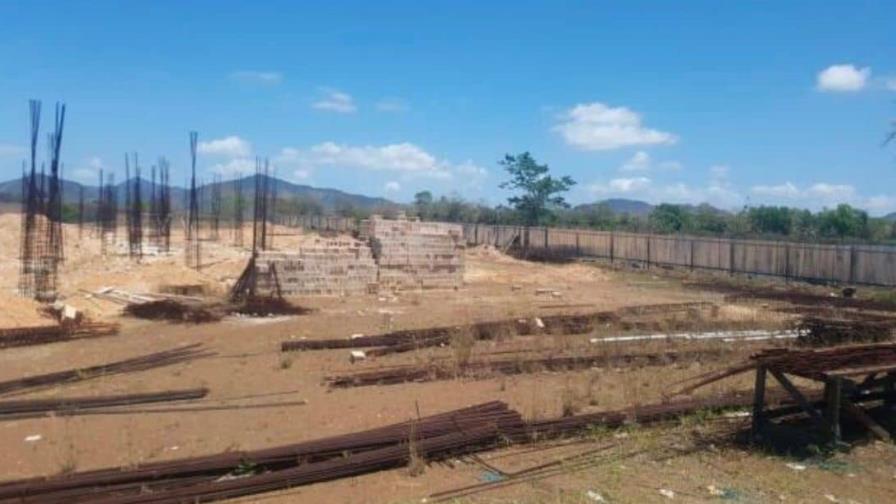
(695, 459)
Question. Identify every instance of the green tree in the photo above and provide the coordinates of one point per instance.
(708, 220)
(541, 191)
(843, 221)
(668, 218)
(770, 220)
(423, 205)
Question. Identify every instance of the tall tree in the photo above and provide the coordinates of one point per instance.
(541, 191)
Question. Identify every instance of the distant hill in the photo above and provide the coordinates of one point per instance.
(329, 199)
(620, 206)
(891, 217)
(640, 208)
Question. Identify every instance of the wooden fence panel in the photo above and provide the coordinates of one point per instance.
(712, 254)
(670, 250)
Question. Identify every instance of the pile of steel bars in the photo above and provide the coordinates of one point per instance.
(408, 340)
(38, 407)
(51, 333)
(132, 365)
(203, 479)
(234, 474)
(448, 371)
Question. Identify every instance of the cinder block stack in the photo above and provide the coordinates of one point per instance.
(392, 254)
(325, 267)
(412, 254)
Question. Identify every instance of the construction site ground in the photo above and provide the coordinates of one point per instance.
(694, 460)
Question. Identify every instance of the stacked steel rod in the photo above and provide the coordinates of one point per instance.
(132, 365)
(448, 371)
(23, 336)
(27, 408)
(408, 340)
(41, 248)
(203, 479)
(234, 474)
(192, 246)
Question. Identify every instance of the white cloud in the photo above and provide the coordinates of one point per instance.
(640, 161)
(392, 186)
(842, 78)
(785, 190)
(335, 101)
(838, 192)
(11, 151)
(595, 126)
(621, 185)
(823, 194)
(719, 171)
(392, 105)
(256, 77)
(89, 171)
(881, 204)
(819, 192)
(231, 146)
(670, 165)
(891, 84)
(407, 159)
(235, 167)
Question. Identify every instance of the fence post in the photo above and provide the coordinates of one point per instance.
(648, 251)
(578, 251)
(787, 261)
(612, 247)
(545, 237)
(731, 257)
(853, 256)
(692, 254)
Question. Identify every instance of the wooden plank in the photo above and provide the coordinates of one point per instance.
(759, 402)
(862, 417)
(833, 392)
(840, 373)
(801, 400)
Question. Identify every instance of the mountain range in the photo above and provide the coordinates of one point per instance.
(328, 199)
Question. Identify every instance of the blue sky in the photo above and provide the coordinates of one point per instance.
(731, 103)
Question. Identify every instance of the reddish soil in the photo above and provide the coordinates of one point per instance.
(250, 369)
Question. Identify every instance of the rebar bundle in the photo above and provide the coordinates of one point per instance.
(153, 209)
(164, 358)
(80, 211)
(215, 207)
(192, 249)
(238, 210)
(134, 211)
(163, 207)
(41, 248)
(39, 407)
(107, 212)
(260, 211)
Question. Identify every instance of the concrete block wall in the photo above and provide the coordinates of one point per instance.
(391, 254)
(412, 254)
(325, 267)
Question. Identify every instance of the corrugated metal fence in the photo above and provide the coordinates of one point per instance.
(855, 264)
